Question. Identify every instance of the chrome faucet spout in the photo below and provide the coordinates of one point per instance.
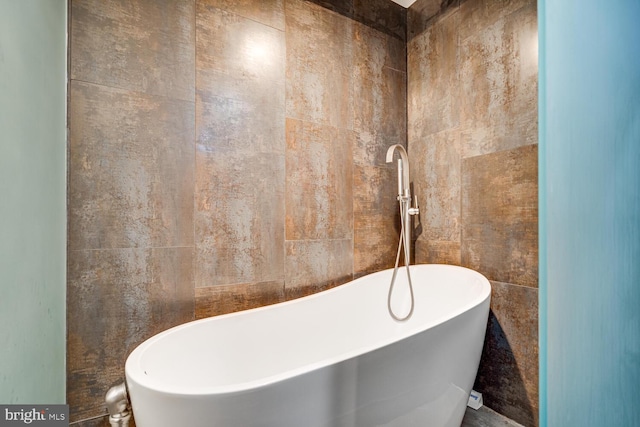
(403, 169)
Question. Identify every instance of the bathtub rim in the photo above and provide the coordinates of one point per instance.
(135, 372)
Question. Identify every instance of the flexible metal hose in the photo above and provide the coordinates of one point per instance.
(402, 244)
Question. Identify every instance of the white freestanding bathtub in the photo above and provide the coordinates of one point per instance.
(333, 359)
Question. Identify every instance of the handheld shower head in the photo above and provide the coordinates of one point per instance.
(403, 168)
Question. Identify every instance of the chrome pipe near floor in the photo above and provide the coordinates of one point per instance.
(117, 402)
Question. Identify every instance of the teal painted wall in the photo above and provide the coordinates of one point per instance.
(590, 212)
(33, 60)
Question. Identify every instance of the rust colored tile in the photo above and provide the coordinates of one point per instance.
(116, 299)
(433, 88)
(373, 51)
(268, 12)
(437, 252)
(319, 95)
(436, 174)
(319, 182)
(140, 45)
(237, 46)
(500, 215)
(379, 90)
(222, 299)
(379, 116)
(239, 115)
(319, 62)
(381, 15)
(130, 169)
(384, 16)
(499, 77)
(239, 222)
(376, 219)
(508, 373)
(476, 15)
(315, 265)
(424, 13)
(318, 37)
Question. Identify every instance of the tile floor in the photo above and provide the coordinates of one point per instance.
(485, 417)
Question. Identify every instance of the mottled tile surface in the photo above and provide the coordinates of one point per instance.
(316, 265)
(508, 374)
(437, 178)
(130, 169)
(240, 141)
(319, 65)
(437, 252)
(382, 15)
(422, 14)
(116, 299)
(222, 299)
(268, 12)
(236, 115)
(376, 219)
(379, 115)
(500, 215)
(239, 218)
(143, 45)
(433, 89)
(319, 191)
(498, 75)
(235, 45)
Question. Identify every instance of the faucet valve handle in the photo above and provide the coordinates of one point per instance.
(415, 210)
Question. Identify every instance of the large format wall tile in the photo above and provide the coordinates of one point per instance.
(222, 299)
(379, 116)
(476, 15)
(382, 15)
(498, 75)
(240, 132)
(500, 215)
(508, 374)
(319, 190)
(130, 169)
(239, 221)
(268, 12)
(116, 299)
(144, 45)
(236, 45)
(423, 14)
(376, 219)
(433, 79)
(436, 174)
(238, 115)
(437, 252)
(319, 65)
(316, 265)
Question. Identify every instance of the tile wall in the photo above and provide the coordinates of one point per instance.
(222, 155)
(472, 136)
